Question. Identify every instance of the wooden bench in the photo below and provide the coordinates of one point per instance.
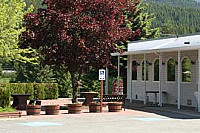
(114, 98)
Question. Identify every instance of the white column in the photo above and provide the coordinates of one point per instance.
(145, 96)
(118, 74)
(179, 79)
(198, 103)
(130, 78)
(160, 79)
(107, 76)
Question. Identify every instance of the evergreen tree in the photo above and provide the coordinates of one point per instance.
(175, 16)
(142, 19)
(29, 72)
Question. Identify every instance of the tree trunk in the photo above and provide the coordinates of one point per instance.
(75, 85)
(75, 89)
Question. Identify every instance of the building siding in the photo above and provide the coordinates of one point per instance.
(187, 89)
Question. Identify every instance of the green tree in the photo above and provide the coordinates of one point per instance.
(175, 16)
(29, 72)
(142, 19)
(11, 26)
(64, 82)
(35, 3)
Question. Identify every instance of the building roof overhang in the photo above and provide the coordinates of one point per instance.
(163, 45)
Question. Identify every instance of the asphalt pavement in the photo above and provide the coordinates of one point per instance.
(143, 120)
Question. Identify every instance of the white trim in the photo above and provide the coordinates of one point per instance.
(145, 77)
(185, 57)
(159, 50)
(130, 76)
(170, 82)
(186, 82)
(118, 73)
(198, 81)
(106, 85)
(160, 79)
(197, 71)
(179, 79)
(144, 81)
(144, 70)
(134, 81)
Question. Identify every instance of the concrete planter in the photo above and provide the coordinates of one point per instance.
(94, 107)
(74, 108)
(52, 109)
(33, 109)
(114, 106)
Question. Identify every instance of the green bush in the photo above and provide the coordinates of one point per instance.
(51, 91)
(4, 97)
(30, 90)
(39, 91)
(18, 88)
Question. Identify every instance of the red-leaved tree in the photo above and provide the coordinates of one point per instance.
(78, 34)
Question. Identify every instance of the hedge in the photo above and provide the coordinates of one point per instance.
(4, 97)
(39, 91)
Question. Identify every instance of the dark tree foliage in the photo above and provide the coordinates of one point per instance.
(175, 16)
(78, 33)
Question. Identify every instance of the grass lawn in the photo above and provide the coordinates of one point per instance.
(7, 109)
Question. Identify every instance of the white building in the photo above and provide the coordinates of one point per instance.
(171, 69)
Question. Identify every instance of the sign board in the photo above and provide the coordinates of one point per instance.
(102, 74)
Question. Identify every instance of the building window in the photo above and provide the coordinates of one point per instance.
(171, 70)
(134, 70)
(147, 71)
(186, 70)
(156, 70)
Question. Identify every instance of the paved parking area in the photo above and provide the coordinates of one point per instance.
(130, 121)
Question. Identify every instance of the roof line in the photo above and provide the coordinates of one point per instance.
(161, 38)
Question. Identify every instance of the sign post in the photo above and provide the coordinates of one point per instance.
(101, 78)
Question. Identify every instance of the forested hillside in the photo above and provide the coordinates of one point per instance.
(172, 16)
(175, 16)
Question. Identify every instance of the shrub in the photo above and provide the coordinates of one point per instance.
(51, 91)
(18, 88)
(4, 97)
(30, 90)
(39, 91)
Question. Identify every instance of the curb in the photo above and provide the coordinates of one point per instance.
(11, 114)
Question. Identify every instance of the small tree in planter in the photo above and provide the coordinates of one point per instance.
(77, 34)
